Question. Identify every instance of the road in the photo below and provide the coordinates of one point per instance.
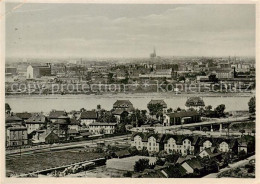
(47, 148)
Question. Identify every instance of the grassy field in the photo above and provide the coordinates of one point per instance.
(29, 163)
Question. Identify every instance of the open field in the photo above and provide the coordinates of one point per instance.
(29, 163)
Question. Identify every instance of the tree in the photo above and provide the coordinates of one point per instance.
(162, 154)
(133, 151)
(174, 171)
(127, 174)
(160, 162)
(242, 131)
(251, 105)
(253, 131)
(7, 108)
(242, 154)
(106, 116)
(209, 164)
(83, 110)
(144, 152)
(205, 129)
(178, 109)
(120, 128)
(201, 111)
(169, 110)
(141, 165)
(182, 78)
(208, 108)
(98, 107)
(156, 109)
(172, 158)
(219, 110)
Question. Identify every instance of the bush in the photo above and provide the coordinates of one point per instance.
(242, 154)
(141, 165)
(127, 174)
(160, 162)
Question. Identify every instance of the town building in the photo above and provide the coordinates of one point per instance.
(119, 114)
(161, 102)
(182, 144)
(158, 74)
(211, 152)
(123, 104)
(74, 124)
(182, 117)
(195, 102)
(102, 128)
(37, 71)
(88, 117)
(16, 136)
(192, 165)
(24, 115)
(11, 120)
(35, 122)
(55, 115)
(11, 71)
(224, 73)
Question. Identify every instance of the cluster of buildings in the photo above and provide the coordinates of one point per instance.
(188, 152)
(61, 125)
(184, 144)
(195, 70)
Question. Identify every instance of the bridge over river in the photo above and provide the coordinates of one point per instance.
(212, 125)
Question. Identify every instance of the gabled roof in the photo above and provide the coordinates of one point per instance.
(55, 114)
(61, 122)
(36, 118)
(182, 159)
(17, 128)
(12, 119)
(158, 102)
(119, 111)
(74, 121)
(230, 141)
(212, 151)
(72, 131)
(194, 163)
(122, 153)
(122, 102)
(183, 114)
(88, 115)
(102, 124)
(180, 138)
(203, 139)
(222, 70)
(158, 137)
(194, 101)
(24, 115)
(39, 66)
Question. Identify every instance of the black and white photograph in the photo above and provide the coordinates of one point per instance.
(129, 90)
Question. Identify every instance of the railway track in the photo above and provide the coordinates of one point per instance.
(61, 147)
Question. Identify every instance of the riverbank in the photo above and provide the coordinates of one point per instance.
(76, 102)
(131, 95)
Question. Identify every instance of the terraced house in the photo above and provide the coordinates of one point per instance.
(182, 144)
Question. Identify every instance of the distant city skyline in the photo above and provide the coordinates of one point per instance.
(129, 30)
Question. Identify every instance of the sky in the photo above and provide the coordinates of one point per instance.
(129, 30)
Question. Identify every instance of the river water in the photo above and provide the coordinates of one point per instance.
(76, 102)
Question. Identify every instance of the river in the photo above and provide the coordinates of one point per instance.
(76, 102)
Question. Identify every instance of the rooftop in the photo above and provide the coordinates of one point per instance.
(88, 115)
